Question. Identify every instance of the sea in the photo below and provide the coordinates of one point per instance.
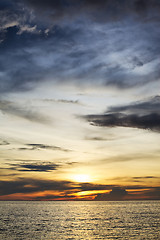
(45, 220)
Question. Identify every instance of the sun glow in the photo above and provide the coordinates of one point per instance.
(82, 178)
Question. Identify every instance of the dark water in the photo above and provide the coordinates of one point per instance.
(79, 220)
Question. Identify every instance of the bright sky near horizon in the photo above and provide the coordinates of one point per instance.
(79, 100)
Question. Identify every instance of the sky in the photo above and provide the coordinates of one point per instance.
(80, 100)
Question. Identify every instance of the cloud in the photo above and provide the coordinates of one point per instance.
(116, 194)
(119, 193)
(97, 47)
(152, 105)
(35, 167)
(29, 185)
(126, 158)
(63, 190)
(32, 185)
(8, 107)
(149, 122)
(92, 186)
(143, 115)
(136, 180)
(14, 15)
(23, 185)
(63, 101)
(97, 139)
(3, 142)
(110, 10)
(39, 146)
(144, 178)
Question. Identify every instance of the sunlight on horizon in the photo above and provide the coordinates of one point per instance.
(82, 178)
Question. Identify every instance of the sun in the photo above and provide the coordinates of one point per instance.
(81, 178)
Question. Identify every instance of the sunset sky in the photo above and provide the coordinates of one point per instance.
(79, 99)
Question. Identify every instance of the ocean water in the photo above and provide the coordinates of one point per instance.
(79, 220)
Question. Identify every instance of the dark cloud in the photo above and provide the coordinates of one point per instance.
(35, 167)
(106, 53)
(142, 108)
(8, 107)
(39, 146)
(116, 194)
(148, 122)
(153, 194)
(143, 115)
(32, 185)
(28, 14)
(13, 15)
(145, 177)
(22, 185)
(135, 178)
(66, 188)
(103, 10)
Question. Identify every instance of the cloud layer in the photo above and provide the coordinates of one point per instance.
(65, 190)
(82, 42)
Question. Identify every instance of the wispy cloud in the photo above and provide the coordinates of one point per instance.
(8, 107)
(62, 101)
(96, 139)
(39, 146)
(4, 142)
(137, 179)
